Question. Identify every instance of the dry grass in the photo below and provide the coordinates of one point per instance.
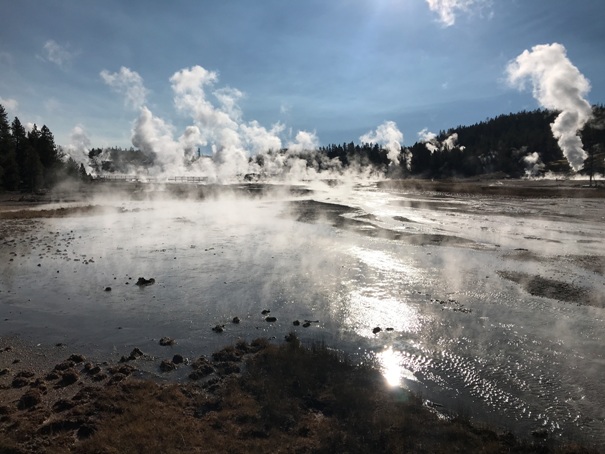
(289, 398)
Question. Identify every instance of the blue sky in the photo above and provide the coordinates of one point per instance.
(338, 68)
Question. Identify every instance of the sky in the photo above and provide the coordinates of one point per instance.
(289, 72)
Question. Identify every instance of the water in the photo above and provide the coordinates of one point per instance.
(429, 270)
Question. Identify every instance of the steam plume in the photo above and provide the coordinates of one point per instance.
(387, 135)
(79, 145)
(129, 83)
(533, 164)
(557, 85)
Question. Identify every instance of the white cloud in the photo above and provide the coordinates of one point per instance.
(557, 85)
(57, 54)
(128, 83)
(9, 104)
(448, 9)
(388, 135)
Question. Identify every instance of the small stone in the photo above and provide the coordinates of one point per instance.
(271, 319)
(30, 399)
(69, 378)
(377, 330)
(77, 358)
(167, 366)
(265, 312)
(178, 359)
(137, 353)
(235, 320)
(218, 329)
(108, 289)
(296, 323)
(166, 341)
(306, 324)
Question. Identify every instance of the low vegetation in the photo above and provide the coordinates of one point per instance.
(261, 398)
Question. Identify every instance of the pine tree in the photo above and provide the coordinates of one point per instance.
(9, 170)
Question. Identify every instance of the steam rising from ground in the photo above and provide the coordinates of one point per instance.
(219, 144)
(557, 85)
(389, 136)
(433, 144)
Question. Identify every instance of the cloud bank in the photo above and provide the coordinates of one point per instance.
(557, 85)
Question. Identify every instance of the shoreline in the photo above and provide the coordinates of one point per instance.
(257, 396)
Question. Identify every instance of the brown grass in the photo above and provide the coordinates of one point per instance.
(289, 398)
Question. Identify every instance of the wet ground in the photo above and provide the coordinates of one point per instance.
(490, 306)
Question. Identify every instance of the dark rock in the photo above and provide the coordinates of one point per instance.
(16, 361)
(228, 354)
(65, 365)
(92, 369)
(265, 312)
(166, 341)
(69, 377)
(167, 365)
(19, 382)
(53, 375)
(306, 324)
(271, 319)
(201, 369)
(178, 359)
(137, 353)
(296, 323)
(77, 358)
(4, 372)
(219, 328)
(144, 282)
(290, 337)
(108, 289)
(235, 320)
(377, 330)
(30, 399)
(25, 374)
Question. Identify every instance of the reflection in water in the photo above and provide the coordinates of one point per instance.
(373, 299)
(392, 366)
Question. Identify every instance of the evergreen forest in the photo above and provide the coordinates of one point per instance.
(513, 145)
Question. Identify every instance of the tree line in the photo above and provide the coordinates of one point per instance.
(30, 160)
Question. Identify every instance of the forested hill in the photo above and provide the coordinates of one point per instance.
(515, 144)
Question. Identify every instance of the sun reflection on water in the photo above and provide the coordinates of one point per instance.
(391, 364)
(377, 295)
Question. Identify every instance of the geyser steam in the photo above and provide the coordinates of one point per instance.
(557, 85)
(389, 136)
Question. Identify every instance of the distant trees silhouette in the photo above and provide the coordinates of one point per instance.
(514, 144)
(30, 161)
